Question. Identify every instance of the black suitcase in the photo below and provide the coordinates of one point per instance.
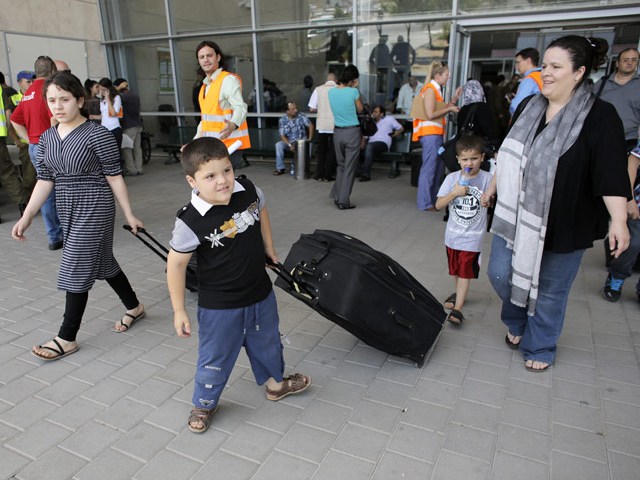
(191, 280)
(364, 291)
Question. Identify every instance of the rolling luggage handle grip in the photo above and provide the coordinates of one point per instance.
(288, 278)
(400, 320)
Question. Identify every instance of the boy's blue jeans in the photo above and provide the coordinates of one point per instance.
(541, 331)
(622, 267)
(221, 335)
(48, 209)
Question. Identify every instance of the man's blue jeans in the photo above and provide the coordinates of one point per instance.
(622, 267)
(541, 331)
(281, 147)
(48, 210)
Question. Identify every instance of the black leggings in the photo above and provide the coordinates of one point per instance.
(77, 302)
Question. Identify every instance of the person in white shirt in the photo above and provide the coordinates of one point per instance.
(406, 94)
(326, 157)
(388, 128)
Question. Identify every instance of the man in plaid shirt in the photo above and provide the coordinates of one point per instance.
(292, 127)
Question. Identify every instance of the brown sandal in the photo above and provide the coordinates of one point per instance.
(292, 384)
(203, 415)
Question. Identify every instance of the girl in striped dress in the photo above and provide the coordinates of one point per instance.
(83, 161)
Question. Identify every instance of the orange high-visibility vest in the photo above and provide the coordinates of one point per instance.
(536, 76)
(213, 116)
(428, 127)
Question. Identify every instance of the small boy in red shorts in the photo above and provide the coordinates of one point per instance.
(461, 191)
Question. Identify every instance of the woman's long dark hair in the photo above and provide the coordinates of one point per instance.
(349, 74)
(107, 83)
(68, 82)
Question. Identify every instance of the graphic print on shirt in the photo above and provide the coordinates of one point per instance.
(466, 210)
(238, 223)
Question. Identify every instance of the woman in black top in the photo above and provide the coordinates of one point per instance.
(559, 171)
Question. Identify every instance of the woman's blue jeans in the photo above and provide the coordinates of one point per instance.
(539, 332)
(48, 209)
(431, 172)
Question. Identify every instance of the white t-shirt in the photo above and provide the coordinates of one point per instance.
(110, 123)
(467, 218)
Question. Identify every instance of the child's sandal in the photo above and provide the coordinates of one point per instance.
(203, 415)
(292, 384)
(456, 317)
(450, 301)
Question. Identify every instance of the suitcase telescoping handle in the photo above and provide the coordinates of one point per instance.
(282, 272)
(155, 250)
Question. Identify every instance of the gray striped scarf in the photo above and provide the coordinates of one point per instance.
(525, 176)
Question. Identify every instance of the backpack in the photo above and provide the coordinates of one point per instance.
(447, 151)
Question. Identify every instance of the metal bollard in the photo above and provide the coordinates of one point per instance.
(301, 160)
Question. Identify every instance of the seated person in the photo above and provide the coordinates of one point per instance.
(292, 127)
(388, 127)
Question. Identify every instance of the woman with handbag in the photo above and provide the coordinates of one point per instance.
(562, 170)
(429, 131)
(345, 104)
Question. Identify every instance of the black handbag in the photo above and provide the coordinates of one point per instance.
(367, 124)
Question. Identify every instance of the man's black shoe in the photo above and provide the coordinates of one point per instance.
(612, 288)
(365, 178)
(55, 245)
(343, 206)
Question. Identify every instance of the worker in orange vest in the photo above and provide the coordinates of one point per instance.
(527, 66)
(222, 107)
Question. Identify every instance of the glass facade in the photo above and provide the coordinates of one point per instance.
(278, 45)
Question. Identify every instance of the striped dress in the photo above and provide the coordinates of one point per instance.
(77, 165)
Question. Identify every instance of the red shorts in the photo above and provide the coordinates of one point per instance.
(463, 264)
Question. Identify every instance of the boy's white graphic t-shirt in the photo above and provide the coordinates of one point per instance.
(467, 218)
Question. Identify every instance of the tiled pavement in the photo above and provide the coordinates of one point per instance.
(117, 409)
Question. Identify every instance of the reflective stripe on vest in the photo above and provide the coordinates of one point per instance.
(3, 119)
(536, 76)
(428, 127)
(213, 121)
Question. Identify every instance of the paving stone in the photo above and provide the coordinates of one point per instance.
(55, 464)
(576, 392)
(284, 467)
(494, 356)
(389, 393)
(197, 447)
(358, 374)
(476, 415)
(456, 357)
(26, 413)
(435, 392)
(569, 467)
(325, 416)
(416, 443)
(124, 414)
(529, 393)
(136, 372)
(171, 416)
(619, 373)
(393, 465)
(226, 466)
(488, 373)
(508, 467)
(525, 443)
(444, 373)
(275, 416)
(526, 416)
(306, 442)
(168, 466)
(326, 356)
(470, 442)
(578, 416)
(20, 389)
(483, 392)
(451, 466)
(245, 393)
(624, 467)
(361, 442)
(373, 415)
(93, 371)
(366, 355)
(619, 392)
(339, 340)
(338, 465)
(341, 393)
(251, 442)
(145, 340)
(90, 440)
(37, 439)
(426, 415)
(618, 413)
(110, 465)
(161, 355)
(623, 439)
(108, 391)
(143, 442)
(63, 391)
(14, 369)
(10, 463)
(154, 392)
(578, 442)
(456, 339)
(301, 340)
(574, 373)
(229, 418)
(179, 373)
